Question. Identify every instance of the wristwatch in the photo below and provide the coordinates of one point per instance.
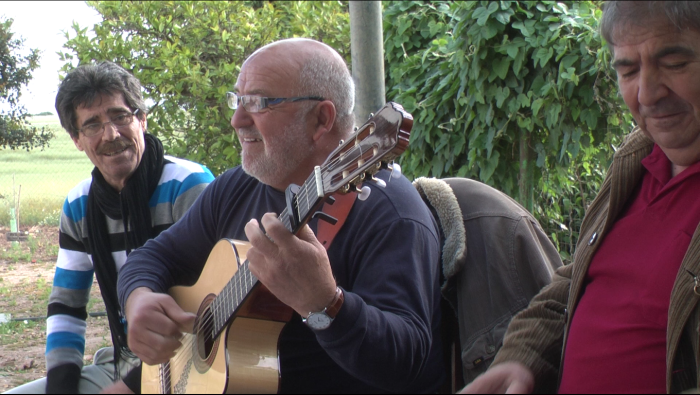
(323, 319)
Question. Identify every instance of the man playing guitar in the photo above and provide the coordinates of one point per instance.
(367, 309)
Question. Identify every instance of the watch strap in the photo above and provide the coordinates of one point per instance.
(333, 308)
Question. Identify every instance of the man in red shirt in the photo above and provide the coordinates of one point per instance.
(624, 317)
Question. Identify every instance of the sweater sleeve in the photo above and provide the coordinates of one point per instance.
(386, 319)
(163, 262)
(67, 312)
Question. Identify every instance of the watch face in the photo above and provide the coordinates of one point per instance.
(318, 321)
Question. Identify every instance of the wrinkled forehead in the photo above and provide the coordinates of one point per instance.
(656, 40)
(102, 105)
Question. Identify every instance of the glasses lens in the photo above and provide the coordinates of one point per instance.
(92, 129)
(122, 120)
(253, 103)
(232, 100)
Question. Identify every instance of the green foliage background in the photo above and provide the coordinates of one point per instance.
(15, 72)
(187, 55)
(518, 95)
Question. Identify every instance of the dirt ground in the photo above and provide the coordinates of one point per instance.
(26, 275)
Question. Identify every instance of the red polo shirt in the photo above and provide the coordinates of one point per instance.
(617, 339)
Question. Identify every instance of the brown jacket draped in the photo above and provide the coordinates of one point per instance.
(536, 336)
(495, 259)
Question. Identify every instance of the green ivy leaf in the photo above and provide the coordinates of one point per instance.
(501, 67)
(490, 167)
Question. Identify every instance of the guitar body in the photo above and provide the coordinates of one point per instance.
(244, 358)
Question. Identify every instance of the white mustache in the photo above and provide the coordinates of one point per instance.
(248, 134)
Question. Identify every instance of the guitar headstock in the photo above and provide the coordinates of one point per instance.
(371, 148)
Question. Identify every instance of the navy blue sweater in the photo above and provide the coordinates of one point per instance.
(385, 337)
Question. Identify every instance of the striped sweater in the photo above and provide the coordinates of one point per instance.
(179, 186)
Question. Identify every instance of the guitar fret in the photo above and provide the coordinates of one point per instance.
(232, 296)
(308, 204)
(238, 294)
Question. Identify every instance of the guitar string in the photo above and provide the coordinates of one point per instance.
(177, 361)
(183, 357)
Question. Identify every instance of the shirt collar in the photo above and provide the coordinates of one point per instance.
(660, 167)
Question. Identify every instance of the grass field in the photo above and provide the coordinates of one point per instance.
(45, 176)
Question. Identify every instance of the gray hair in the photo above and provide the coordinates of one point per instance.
(85, 84)
(330, 78)
(618, 14)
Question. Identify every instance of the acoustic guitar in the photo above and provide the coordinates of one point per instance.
(233, 348)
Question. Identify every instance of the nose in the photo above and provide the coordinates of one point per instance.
(241, 118)
(652, 88)
(110, 132)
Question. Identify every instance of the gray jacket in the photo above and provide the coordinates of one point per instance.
(495, 258)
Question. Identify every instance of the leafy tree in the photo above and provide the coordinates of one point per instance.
(518, 95)
(15, 72)
(187, 55)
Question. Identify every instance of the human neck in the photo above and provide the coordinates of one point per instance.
(118, 185)
(676, 170)
(681, 159)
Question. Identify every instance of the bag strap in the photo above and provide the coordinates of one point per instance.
(338, 210)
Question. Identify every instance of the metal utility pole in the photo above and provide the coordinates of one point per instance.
(367, 49)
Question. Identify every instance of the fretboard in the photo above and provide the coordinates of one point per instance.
(231, 297)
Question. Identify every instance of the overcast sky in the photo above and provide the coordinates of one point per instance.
(40, 24)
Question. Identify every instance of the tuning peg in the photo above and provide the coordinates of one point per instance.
(325, 217)
(364, 193)
(379, 182)
(371, 115)
(341, 142)
(395, 170)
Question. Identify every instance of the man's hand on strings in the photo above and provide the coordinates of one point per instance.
(295, 269)
(155, 325)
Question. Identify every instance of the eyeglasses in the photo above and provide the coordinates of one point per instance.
(253, 103)
(119, 121)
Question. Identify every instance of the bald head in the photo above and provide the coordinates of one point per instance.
(297, 50)
(318, 70)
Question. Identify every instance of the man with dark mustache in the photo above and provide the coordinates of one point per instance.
(135, 193)
(624, 316)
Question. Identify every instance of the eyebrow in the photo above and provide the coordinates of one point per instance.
(111, 110)
(254, 92)
(677, 50)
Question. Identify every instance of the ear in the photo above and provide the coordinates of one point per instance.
(78, 143)
(324, 119)
(144, 123)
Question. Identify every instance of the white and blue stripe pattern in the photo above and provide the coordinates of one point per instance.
(180, 185)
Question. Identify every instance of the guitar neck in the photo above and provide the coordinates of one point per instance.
(231, 297)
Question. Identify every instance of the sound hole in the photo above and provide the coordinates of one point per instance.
(205, 346)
